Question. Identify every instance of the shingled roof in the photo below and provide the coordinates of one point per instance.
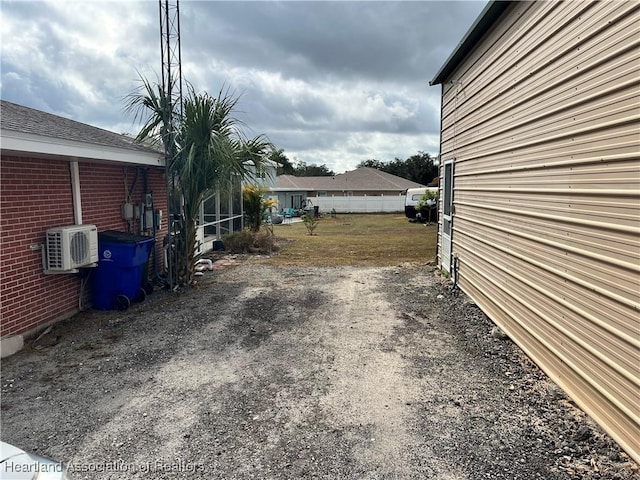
(360, 179)
(18, 118)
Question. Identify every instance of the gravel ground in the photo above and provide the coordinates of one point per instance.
(274, 373)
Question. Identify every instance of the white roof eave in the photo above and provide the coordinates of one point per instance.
(292, 189)
(29, 143)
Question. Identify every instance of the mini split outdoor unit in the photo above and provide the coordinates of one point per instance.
(68, 248)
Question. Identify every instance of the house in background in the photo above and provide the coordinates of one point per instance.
(361, 190)
(56, 172)
(540, 192)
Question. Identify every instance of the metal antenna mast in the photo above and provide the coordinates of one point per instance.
(170, 53)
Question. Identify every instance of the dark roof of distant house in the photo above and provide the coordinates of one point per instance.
(483, 23)
(19, 118)
(363, 178)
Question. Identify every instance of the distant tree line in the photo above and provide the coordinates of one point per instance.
(421, 167)
(301, 169)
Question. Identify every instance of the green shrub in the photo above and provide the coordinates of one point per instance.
(310, 221)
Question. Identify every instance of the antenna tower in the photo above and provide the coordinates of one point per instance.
(170, 53)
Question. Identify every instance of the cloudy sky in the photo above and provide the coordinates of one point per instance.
(329, 82)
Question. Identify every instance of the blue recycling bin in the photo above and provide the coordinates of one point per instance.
(123, 260)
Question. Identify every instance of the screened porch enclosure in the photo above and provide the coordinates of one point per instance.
(220, 214)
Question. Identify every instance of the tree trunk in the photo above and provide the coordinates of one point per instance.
(191, 240)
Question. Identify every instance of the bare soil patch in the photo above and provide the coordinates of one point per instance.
(284, 372)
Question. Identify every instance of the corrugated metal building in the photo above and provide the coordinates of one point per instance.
(540, 201)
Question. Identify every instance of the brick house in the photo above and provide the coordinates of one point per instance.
(362, 185)
(58, 172)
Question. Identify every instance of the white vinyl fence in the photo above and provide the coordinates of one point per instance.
(357, 204)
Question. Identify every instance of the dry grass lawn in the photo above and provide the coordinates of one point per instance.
(354, 239)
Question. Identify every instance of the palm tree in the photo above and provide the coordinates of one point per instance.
(150, 104)
(207, 150)
(255, 205)
(213, 151)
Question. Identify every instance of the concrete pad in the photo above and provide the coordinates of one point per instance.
(10, 345)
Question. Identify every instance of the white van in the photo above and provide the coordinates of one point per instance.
(413, 196)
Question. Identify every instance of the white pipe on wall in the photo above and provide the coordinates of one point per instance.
(75, 191)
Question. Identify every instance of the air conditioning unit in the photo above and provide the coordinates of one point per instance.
(68, 248)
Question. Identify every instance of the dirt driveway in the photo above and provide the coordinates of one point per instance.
(270, 373)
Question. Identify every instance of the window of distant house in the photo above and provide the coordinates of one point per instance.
(348, 194)
(322, 194)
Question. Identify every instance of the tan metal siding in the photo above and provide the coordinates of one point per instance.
(543, 121)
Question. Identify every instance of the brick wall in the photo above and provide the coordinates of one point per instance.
(104, 189)
(36, 195)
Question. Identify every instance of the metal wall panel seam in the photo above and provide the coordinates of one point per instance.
(508, 147)
(575, 221)
(571, 46)
(577, 162)
(562, 111)
(557, 206)
(559, 372)
(539, 101)
(622, 252)
(635, 416)
(622, 255)
(591, 287)
(613, 322)
(581, 71)
(578, 206)
(625, 141)
(622, 205)
(574, 50)
(560, 82)
(503, 40)
(549, 135)
(622, 74)
(539, 178)
(586, 239)
(576, 120)
(527, 39)
(609, 380)
(635, 341)
(555, 190)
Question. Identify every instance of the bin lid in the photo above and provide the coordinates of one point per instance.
(115, 236)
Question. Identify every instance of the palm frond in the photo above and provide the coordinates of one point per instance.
(207, 148)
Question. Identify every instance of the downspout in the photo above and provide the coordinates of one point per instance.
(454, 272)
(76, 196)
(75, 192)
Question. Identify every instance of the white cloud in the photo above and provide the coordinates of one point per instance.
(330, 83)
